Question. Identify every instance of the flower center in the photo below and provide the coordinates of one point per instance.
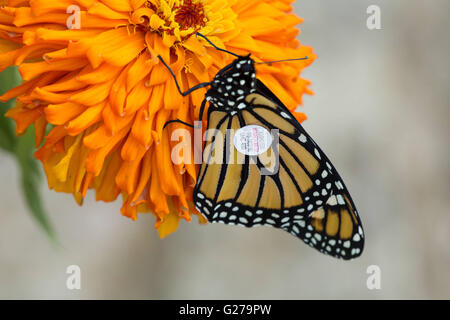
(180, 17)
(190, 14)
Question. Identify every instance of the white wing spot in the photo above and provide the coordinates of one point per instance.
(284, 226)
(316, 152)
(285, 115)
(332, 201)
(302, 138)
(243, 220)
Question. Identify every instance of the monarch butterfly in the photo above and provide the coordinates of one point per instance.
(304, 195)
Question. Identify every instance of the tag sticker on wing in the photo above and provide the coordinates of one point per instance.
(252, 140)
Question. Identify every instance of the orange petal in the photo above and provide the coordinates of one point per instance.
(106, 187)
(157, 196)
(63, 112)
(40, 125)
(89, 117)
(169, 224)
(30, 70)
(23, 117)
(96, 158)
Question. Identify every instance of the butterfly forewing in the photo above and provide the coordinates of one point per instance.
(301, 193)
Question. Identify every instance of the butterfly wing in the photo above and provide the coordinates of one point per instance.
(340, 217)
(300, 192)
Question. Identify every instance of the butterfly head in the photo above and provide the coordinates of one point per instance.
(233, 83)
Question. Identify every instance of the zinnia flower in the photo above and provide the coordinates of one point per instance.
(103, 96)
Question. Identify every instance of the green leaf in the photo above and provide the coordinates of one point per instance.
(7, 139)
(31, 181)
(22, 148)
(9, 78)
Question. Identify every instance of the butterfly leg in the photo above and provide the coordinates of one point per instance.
(202, 109)
(199, 86)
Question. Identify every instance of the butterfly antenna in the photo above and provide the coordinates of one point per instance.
(220, 49)
(297, 59)
(177, 121)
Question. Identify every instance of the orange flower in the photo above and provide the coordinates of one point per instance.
(93, 75)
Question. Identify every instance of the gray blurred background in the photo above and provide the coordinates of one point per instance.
(380, 112)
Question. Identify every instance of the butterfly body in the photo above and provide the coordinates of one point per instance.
(303, 194)
(232, 84)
